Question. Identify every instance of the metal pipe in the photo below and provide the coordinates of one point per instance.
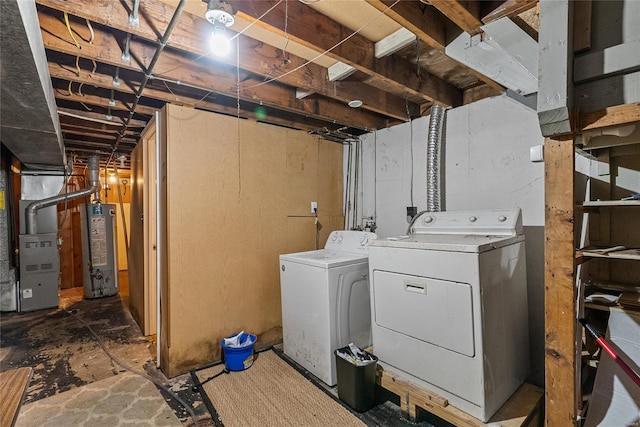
(133, 18)
(31, 223)
(147, 75)
(434, 143)
(125, 53)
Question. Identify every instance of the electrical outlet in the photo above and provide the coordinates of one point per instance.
(314, 207)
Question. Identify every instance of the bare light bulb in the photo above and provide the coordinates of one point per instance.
(220, 44)
(112, 179)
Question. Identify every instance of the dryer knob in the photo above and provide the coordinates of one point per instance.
(428, 220)
(502, 218)
(364, 241)
(473, 218)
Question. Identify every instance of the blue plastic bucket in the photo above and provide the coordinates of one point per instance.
(239, 358)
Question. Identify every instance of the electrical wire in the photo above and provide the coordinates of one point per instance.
(406, 100)
(66, 21)
(304, 64)
(93, 35)
(144, 375)
(286, 32)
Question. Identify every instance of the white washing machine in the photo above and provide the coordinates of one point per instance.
(449, 306)
(325, 301)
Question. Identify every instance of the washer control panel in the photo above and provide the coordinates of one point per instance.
(349, 241)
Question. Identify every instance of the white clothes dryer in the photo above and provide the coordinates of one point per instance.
(325, 301)
(449, 306)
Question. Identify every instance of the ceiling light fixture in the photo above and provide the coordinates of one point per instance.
(355, 103)
(219, 13)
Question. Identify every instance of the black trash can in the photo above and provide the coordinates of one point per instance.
(356, 384)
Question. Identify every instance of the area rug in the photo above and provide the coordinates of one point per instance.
(124, 399)
(13, 385)
(270, 393)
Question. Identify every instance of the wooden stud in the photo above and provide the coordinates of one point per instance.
(560, 290)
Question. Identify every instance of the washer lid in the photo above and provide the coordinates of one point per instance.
(324, 258)
(447, 242)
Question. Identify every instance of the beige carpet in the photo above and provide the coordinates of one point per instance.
(122, 400)
(272, 393)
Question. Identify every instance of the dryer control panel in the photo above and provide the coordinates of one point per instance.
(503, 222)
(350, 241)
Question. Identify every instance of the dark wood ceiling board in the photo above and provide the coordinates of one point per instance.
(191, 34)
(508, 8)
(200, 74)
(316, 31)
(464, 13)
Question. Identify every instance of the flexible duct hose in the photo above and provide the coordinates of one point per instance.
(434, 142)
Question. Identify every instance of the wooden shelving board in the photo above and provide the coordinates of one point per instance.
(629, 254)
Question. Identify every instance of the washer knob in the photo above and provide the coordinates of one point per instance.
(473, 218)
(333, 237)
(340, 238)
(502, 218)
(364, 241)
(428, 220)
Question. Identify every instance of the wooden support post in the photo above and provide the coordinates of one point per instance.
(560, 291)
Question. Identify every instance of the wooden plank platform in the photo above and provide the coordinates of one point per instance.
(523, 409)
(13, 385)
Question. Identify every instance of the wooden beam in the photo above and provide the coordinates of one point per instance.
(555, 78)
(424, 21)
(464, 13)
(582, 26)
(509, 8)
(560, 289)
(96, 116)
(428, 25)
(257, 57)
(100, 101)
(325, 36)
(105, 49)
(61, 71)
(610, 116)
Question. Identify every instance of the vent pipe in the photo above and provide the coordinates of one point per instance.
(31, 223)
(434, 143)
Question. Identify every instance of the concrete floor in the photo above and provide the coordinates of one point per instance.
(65, 355)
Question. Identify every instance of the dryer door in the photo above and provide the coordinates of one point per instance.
(435, 311)
(353, 308)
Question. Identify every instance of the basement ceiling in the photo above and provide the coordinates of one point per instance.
(277, 71)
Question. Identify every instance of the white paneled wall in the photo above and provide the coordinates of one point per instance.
(485, 165)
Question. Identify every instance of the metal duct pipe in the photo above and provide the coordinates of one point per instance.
(434, 142)
(31, 223)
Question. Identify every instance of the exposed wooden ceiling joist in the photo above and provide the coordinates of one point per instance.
(325, 36)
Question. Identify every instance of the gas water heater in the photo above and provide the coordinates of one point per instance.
(100, 262)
